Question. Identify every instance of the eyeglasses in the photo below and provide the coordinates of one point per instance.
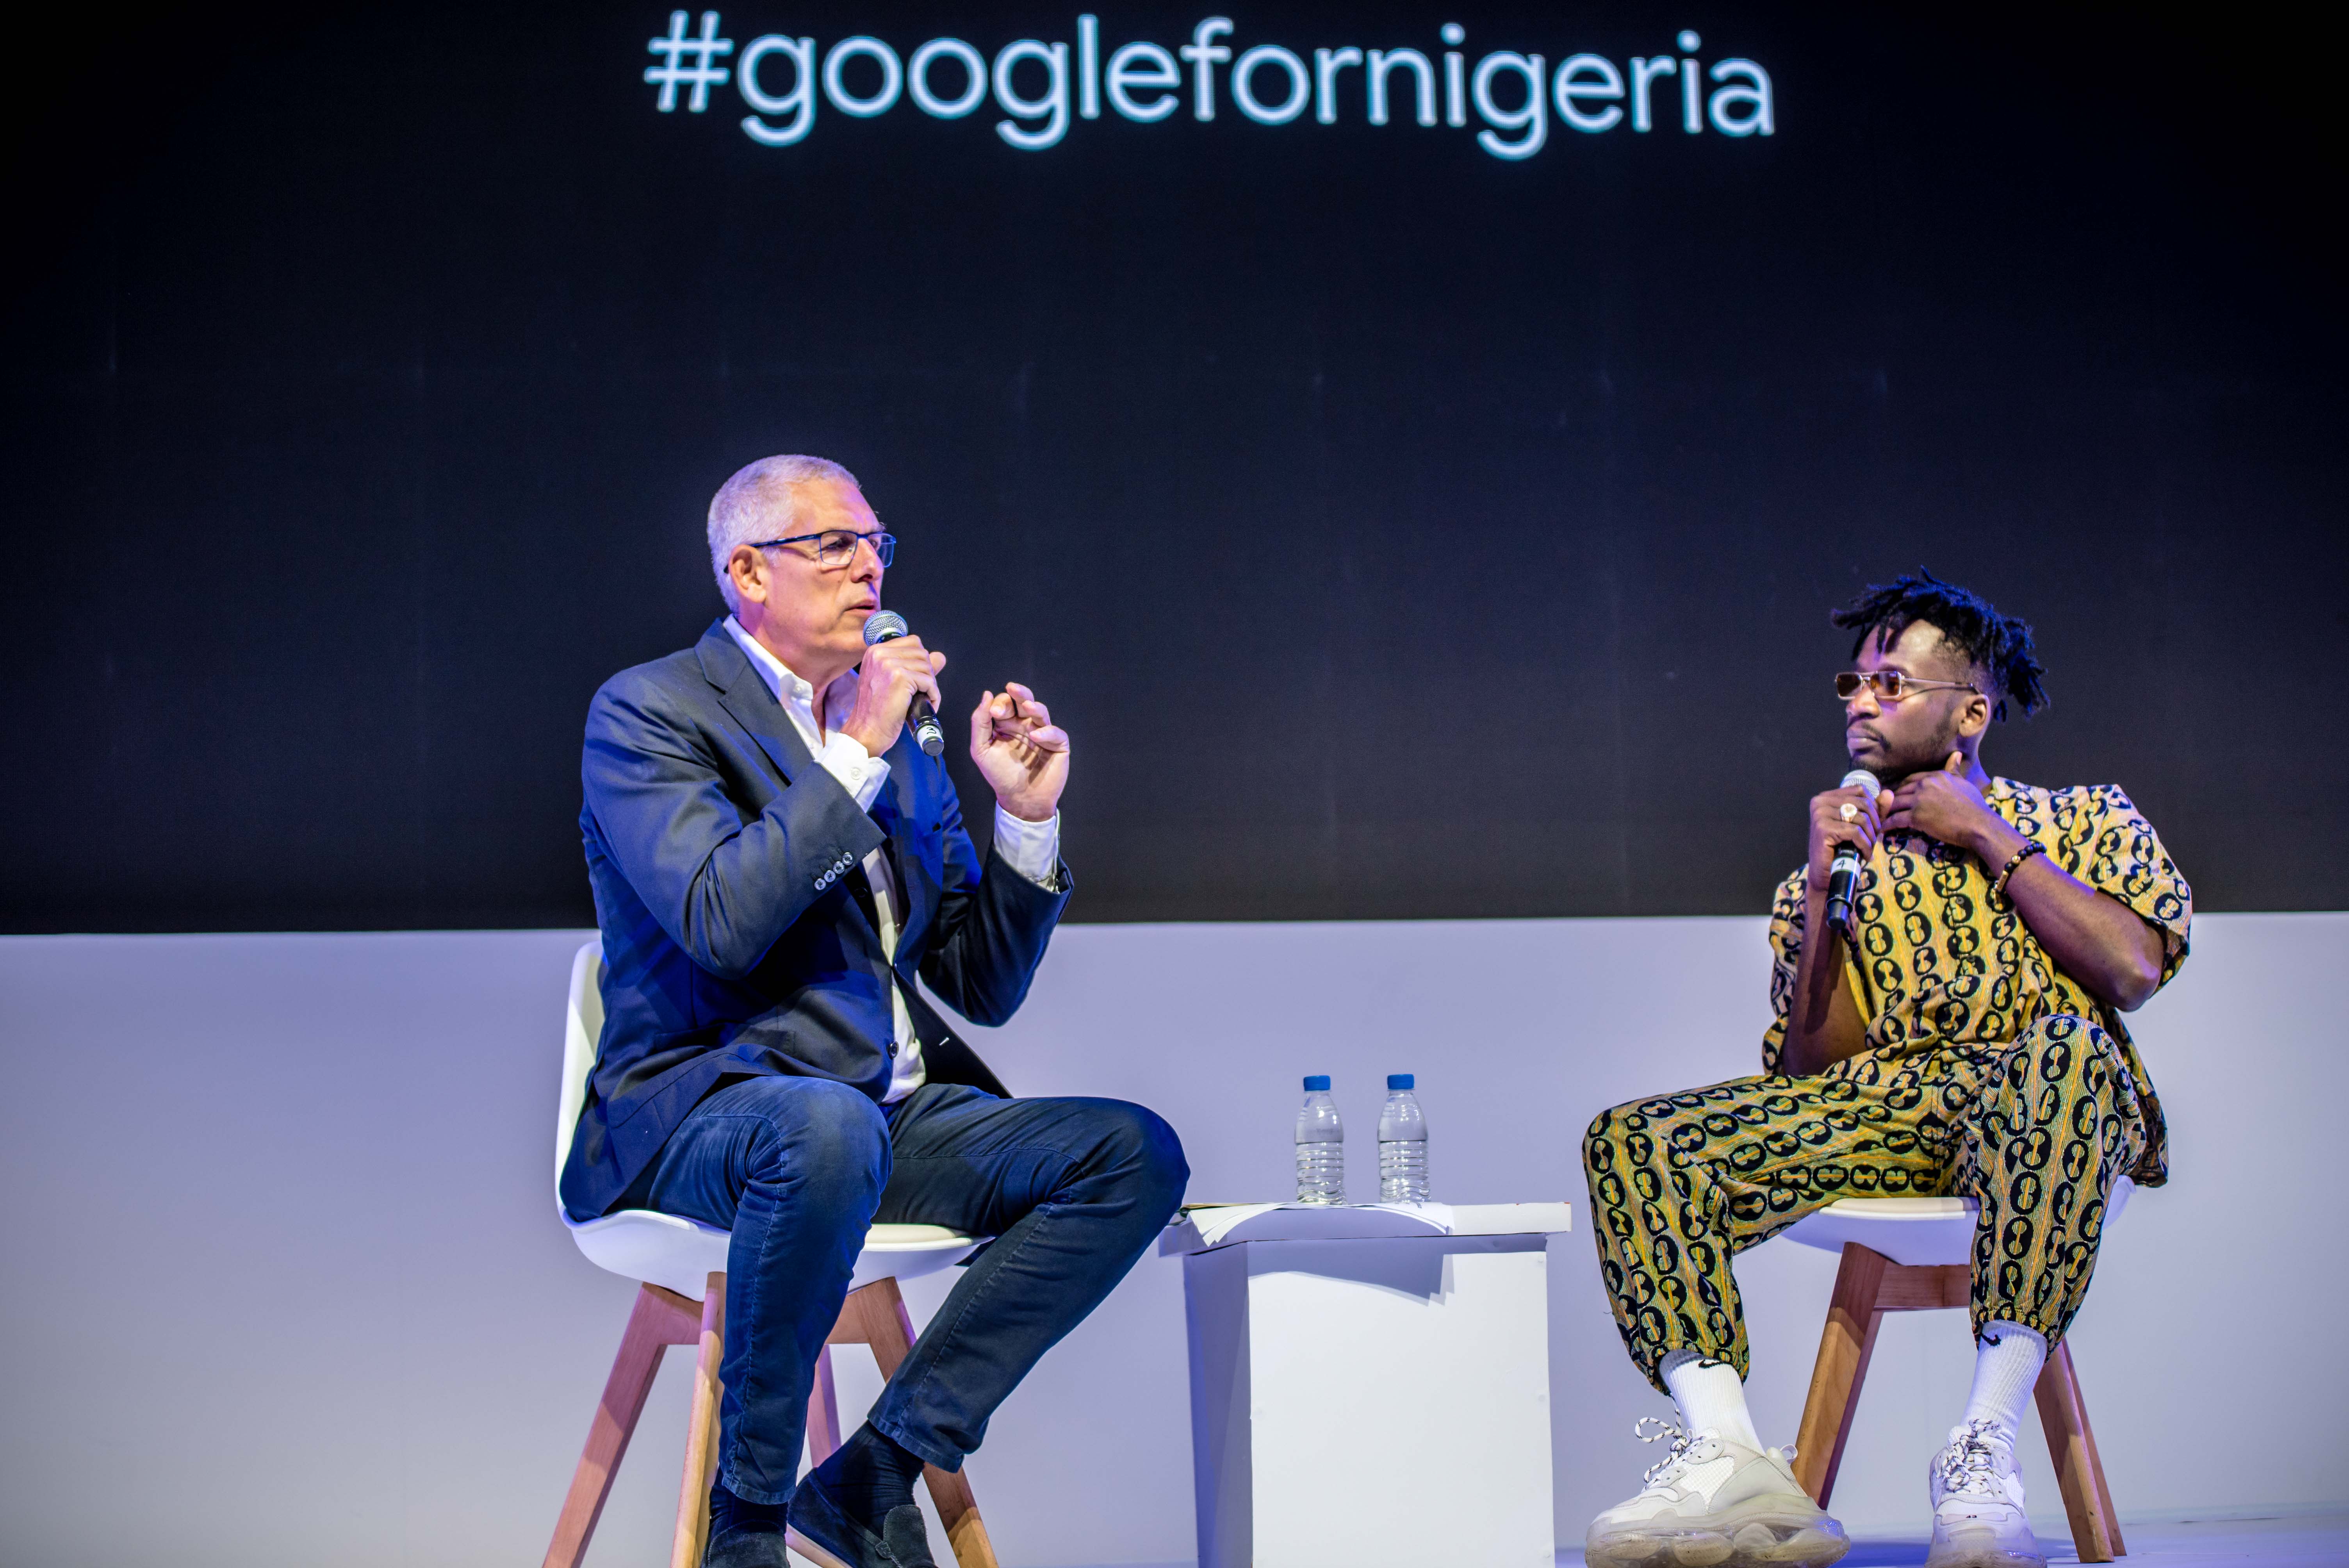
(836, 547)
(1892, 685)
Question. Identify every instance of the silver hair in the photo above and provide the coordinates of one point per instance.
(758, 503)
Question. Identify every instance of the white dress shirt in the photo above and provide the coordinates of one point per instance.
(1032, 848)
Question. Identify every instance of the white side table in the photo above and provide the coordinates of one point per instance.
(1370, 1387)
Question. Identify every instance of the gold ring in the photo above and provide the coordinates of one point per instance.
(1851, 812)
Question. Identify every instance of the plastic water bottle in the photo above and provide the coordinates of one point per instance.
(1320, 1146)
(1402, 1144)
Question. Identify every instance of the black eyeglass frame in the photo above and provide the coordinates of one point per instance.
(1899, 682)
(884, 543)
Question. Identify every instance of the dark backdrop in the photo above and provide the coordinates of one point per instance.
(1401, 532)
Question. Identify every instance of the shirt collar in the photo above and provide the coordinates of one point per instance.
(783, 683)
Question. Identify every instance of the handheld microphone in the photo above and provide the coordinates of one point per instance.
(1843, 872)
(886, 626)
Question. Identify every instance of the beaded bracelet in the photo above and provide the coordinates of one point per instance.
(1998, 888)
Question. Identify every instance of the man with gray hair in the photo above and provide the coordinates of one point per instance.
(774, 862)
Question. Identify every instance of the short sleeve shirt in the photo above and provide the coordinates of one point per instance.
(1940, 961)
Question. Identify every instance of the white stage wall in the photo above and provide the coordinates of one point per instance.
(280, 1279)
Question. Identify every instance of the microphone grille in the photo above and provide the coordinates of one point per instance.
(1858, 778)
(882, 625)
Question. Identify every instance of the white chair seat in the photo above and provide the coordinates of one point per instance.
(1913, 1230)
(680, 1256)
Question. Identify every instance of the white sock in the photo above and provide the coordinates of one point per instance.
(1710, 1397)
(2006, 1370)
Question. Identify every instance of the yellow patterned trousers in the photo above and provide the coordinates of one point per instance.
(2037, 1131)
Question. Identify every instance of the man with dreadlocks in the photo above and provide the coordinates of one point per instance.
(1962, 1037)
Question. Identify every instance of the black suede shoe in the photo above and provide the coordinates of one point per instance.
(907, 1538)
(743, 1534)
(746, 1549)
(822, 1532)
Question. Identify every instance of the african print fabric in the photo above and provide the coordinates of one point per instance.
(1988, 1072)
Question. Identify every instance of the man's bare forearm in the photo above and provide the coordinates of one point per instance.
(2092, 936)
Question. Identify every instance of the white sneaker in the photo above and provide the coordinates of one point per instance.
(1978, 1517)
(1713, 1503)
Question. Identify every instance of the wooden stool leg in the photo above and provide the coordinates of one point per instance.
(959, 1511)
(1845, 1345)
(658, 1320)
(824, 1411)
(2096, 1524)
(875, 1315)
(701, 1435)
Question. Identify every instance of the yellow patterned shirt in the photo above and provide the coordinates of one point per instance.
(1940, 962)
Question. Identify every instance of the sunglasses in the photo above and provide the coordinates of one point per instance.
(1891, 686)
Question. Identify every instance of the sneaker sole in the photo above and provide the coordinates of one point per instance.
(1982, 1557)
(1760, 1534)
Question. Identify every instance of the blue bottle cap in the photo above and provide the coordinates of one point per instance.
(1318, 1081)
(1401, 1081)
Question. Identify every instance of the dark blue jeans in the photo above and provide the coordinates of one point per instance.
(1073, 1191)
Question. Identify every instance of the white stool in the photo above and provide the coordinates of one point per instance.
(682, 1268)
(1913, 1254)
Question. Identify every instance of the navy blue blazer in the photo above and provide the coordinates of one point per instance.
(721, 855)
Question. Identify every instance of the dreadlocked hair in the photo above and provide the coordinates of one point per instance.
(1997, 645)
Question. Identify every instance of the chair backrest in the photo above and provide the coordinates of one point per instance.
(583, 1026)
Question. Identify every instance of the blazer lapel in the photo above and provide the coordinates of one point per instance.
(744, 694)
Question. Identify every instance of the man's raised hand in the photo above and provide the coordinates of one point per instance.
(891, 673)
(1021, 752)
(1942, 805)
(1830, 826)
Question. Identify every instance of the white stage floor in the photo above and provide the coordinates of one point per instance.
(2286, 1541)
(2299, 1539)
